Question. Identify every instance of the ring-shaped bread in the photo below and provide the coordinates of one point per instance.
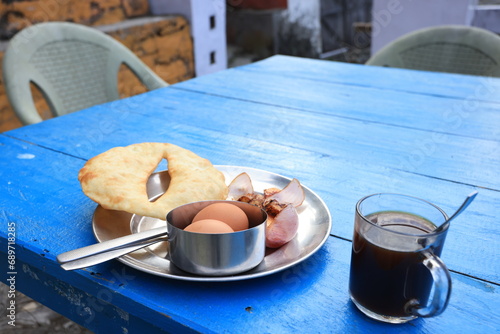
(116, 179)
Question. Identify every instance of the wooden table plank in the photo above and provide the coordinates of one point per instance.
(443, 156)
(385, 170)
(339, 183)
(364, 102)
(451, 85)
(340, 157)
(310, 295)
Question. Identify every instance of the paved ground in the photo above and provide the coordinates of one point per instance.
(34, 318)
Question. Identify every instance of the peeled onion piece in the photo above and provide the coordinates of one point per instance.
(282, 228)
(239, 186)
(292, 193)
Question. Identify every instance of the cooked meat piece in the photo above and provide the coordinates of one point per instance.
(273, 207)
(271, 191)
(254, 199)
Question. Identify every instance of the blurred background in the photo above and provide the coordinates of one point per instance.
(182, 39)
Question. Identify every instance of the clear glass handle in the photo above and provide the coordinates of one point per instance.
(442, 288)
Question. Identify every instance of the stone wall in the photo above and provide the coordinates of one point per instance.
(163, 43)
(18, 14)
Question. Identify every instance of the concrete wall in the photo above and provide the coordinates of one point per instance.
(487, 17)
(394, 18)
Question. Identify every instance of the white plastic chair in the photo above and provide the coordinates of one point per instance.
(450, 48)
(74, 66)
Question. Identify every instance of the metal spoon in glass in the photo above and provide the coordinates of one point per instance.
(462, 207)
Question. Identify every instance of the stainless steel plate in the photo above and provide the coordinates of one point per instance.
(314, 228)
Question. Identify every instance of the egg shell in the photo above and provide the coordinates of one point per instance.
(225, 212)
(209, 226)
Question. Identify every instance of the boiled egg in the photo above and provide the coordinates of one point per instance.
(209, 226)
(228, 213)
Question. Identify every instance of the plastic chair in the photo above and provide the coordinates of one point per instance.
(451, 48)
(74, 66)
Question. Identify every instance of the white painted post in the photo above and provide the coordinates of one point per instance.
(207, 19)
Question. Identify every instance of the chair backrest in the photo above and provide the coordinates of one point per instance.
(450, 48)
(74, 67)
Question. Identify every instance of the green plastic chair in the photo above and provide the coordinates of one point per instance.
(74, 66)
(450, 48)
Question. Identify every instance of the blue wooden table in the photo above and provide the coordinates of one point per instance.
(344, 130)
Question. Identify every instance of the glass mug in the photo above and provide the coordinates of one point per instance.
(395, 260)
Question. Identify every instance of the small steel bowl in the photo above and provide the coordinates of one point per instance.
(220, 254)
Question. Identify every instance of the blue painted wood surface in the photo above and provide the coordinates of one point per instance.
(344, 130)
